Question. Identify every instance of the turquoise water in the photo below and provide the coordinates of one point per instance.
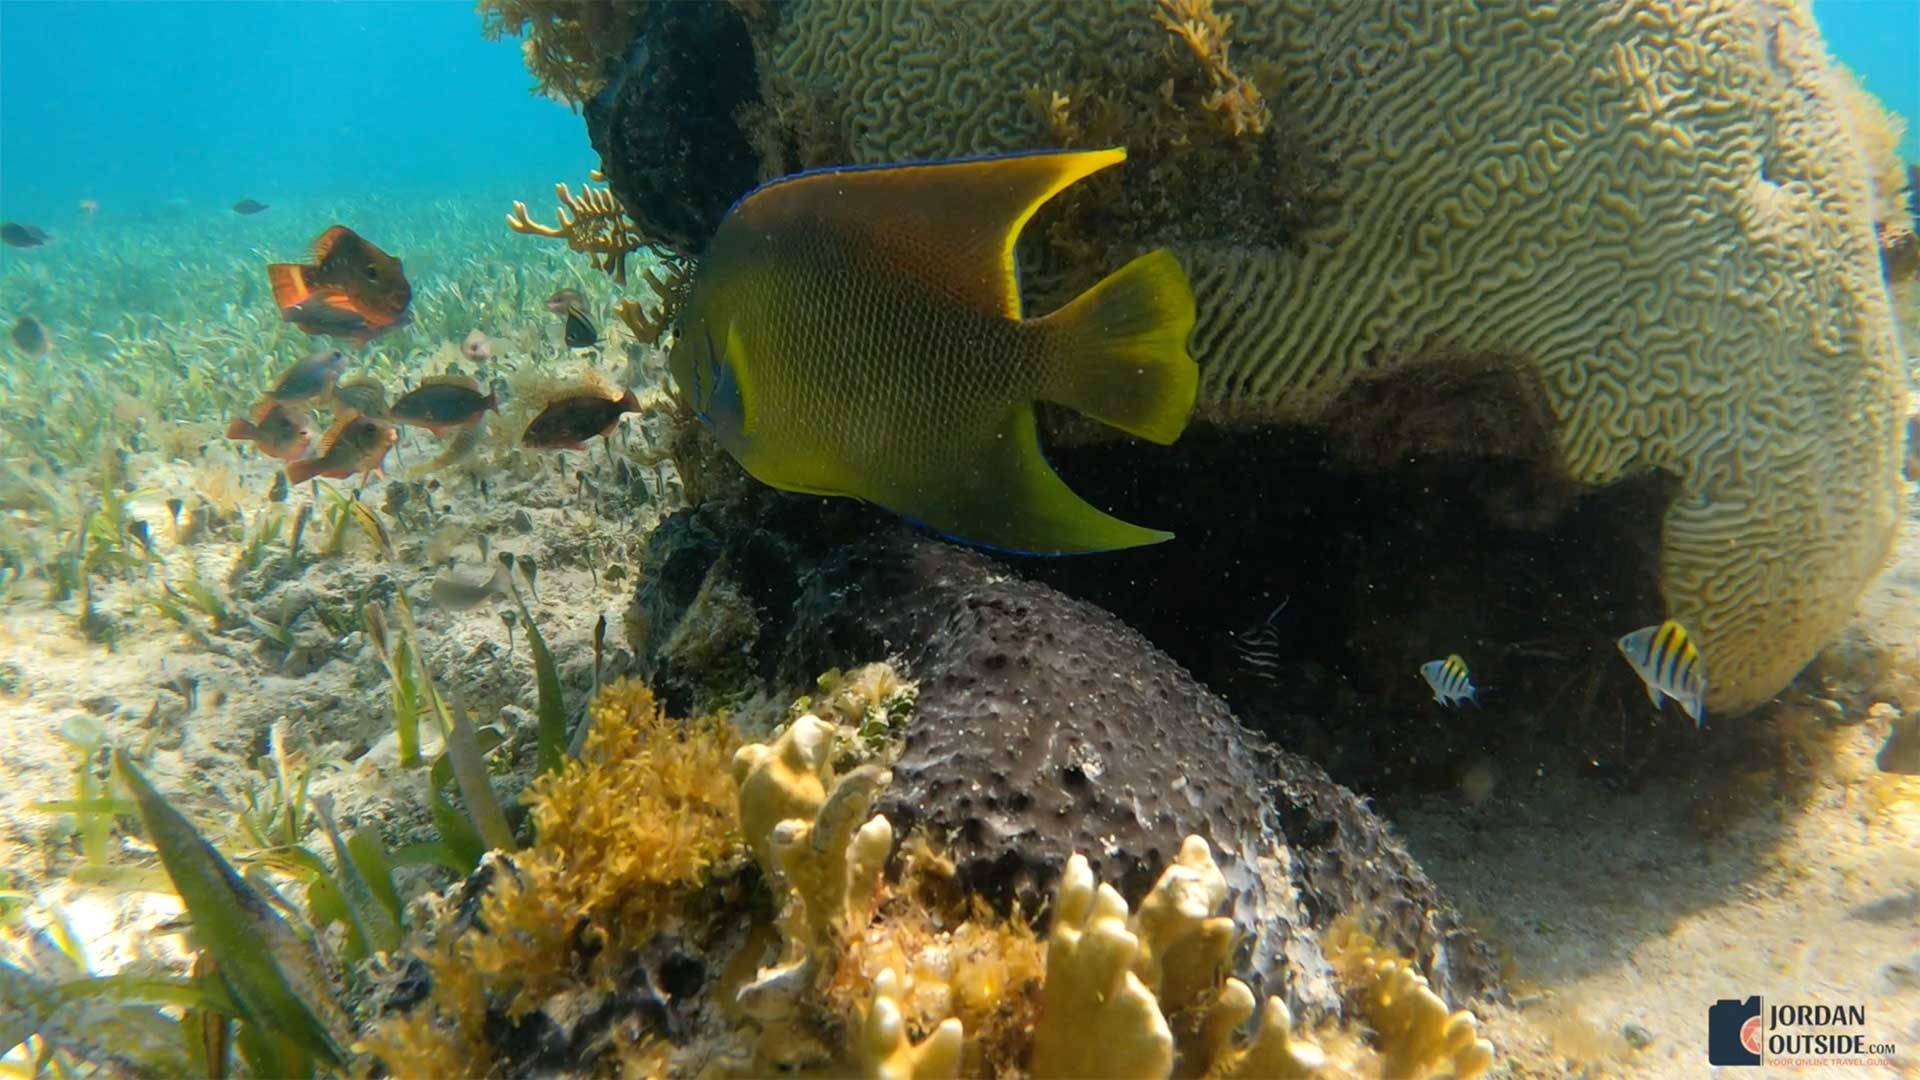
(140, 106)
(1880, 41)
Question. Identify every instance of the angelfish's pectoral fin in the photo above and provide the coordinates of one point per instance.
(1005, 496)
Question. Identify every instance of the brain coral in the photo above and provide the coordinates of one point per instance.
(1657, 213)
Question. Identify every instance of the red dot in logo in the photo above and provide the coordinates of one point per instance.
(1750, 1035)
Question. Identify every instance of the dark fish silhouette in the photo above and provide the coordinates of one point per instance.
(352, 289)
(568, 422)
(30, 336)
(443, 403)
(17, 235)
(580, 332)
(249, 206)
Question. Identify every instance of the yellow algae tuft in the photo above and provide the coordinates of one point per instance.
(624, 834)
(567, 44)
(1238, 103)
(645, 810)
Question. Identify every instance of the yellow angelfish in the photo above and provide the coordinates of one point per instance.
(858, 332)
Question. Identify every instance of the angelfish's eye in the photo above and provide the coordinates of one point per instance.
(373, 272)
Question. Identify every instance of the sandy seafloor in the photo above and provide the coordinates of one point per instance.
(1613, 910)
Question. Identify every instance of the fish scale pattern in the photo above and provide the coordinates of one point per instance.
(1658, 209)
(902, 431)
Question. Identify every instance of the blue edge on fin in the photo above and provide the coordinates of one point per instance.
(824, 169)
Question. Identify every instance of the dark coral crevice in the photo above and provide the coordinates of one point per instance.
(667, 128)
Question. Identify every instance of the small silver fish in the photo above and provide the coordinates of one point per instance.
(1665, 659)
(1449, 681)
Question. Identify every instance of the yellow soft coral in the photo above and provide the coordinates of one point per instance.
(827, 871)
(1274, 1054)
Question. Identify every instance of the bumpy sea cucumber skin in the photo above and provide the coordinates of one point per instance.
(1659, 209)
(1045, 726)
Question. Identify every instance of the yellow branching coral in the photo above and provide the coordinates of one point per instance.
(785, 779)
(1237, 102)
(1274, 1054)
(1091, 988)
(1416, 1033)
(829, 870)
(887, 1053)
(592, 223)
(1183, 943)
(671, 291)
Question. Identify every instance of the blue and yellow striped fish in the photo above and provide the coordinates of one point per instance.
(1665, 659)
(1449, 680)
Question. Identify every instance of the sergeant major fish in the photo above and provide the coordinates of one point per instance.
(1665, 659)
(1450, 681)
(858, 332)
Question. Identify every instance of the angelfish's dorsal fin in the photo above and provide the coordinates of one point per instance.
(462, 381)
(951, 224)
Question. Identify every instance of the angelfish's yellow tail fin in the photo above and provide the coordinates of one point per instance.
(1122, 350)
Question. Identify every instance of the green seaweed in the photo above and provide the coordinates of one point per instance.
(273, 978)
(469, 767)
(550, 704)
(398, 655)
(371, 909)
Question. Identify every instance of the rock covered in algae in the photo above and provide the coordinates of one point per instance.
(1045, 726)
(1659, 216)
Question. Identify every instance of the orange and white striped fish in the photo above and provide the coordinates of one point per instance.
(1665, 659)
